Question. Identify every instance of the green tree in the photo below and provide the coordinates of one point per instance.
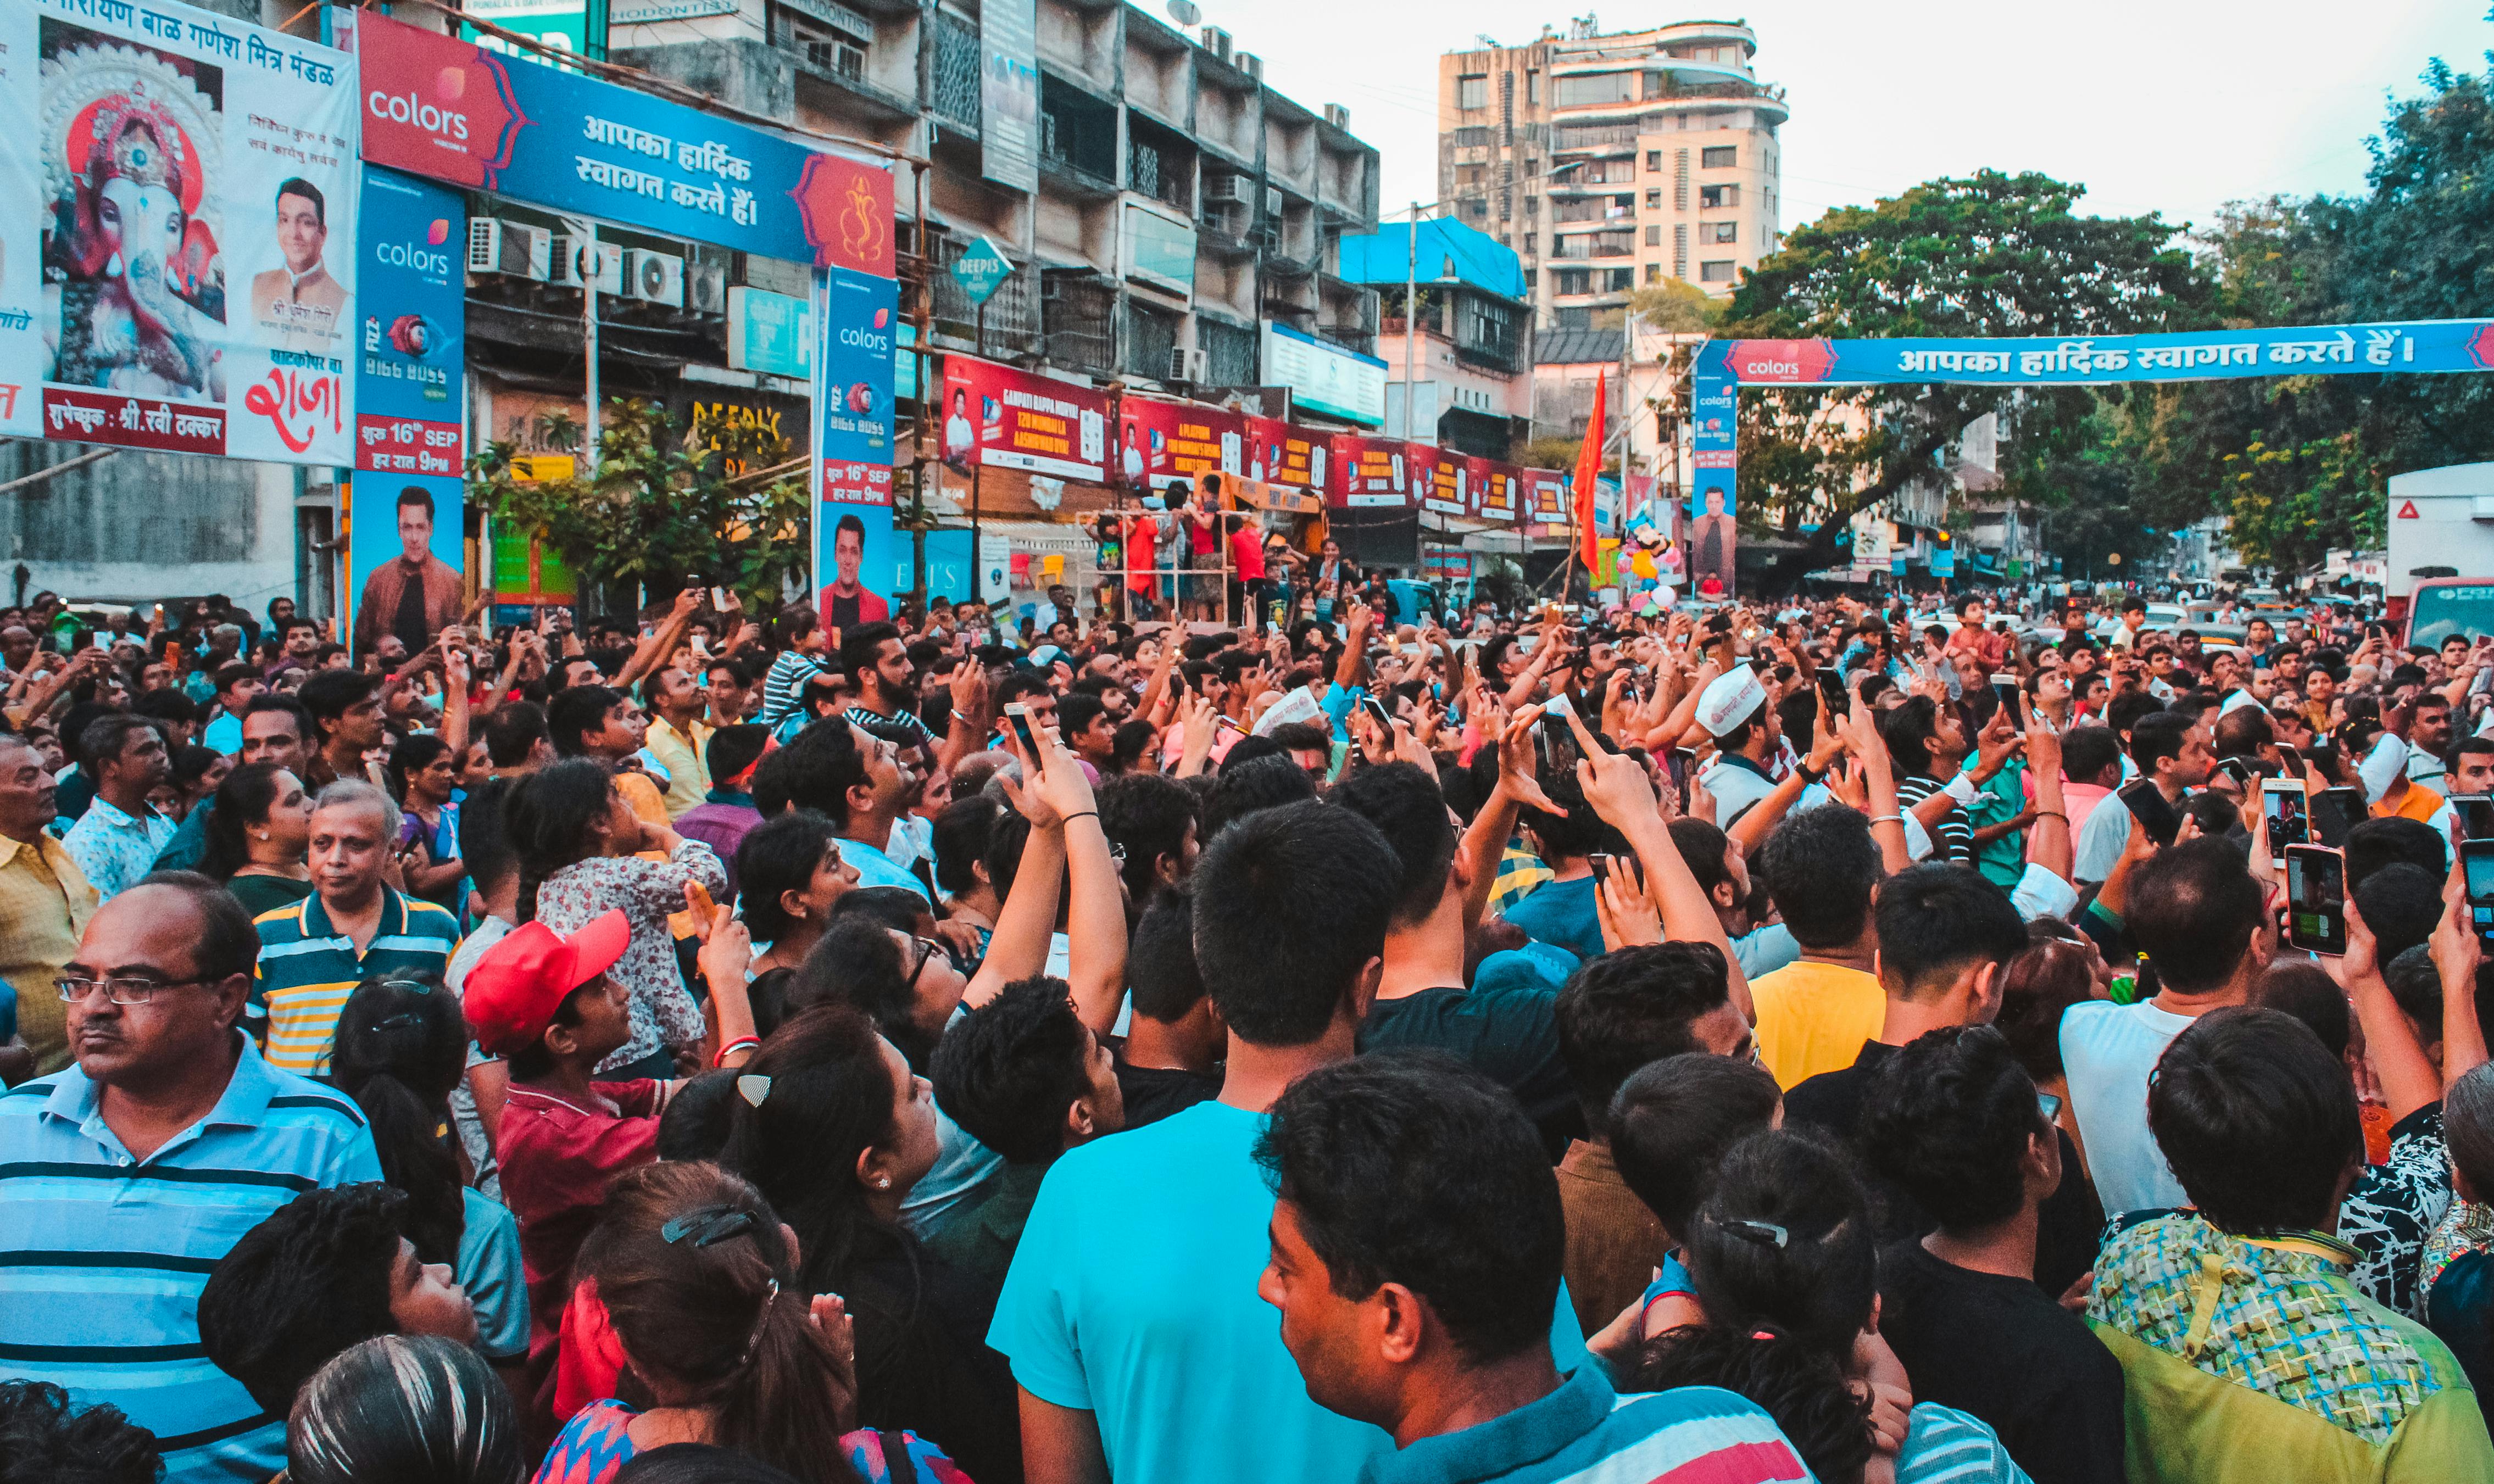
(669, 505)
(1676, 306)
(1990, 255)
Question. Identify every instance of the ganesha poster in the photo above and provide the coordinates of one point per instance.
(176, 246)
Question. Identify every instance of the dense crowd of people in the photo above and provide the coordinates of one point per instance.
(1839, 1041)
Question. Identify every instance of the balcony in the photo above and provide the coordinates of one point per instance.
(1011, 324)
(839, 68)
(954, 84)
(1079, 321)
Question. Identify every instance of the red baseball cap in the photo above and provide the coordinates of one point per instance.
(514, 990)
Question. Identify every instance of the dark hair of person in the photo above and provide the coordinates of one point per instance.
(818, 770)
(2239, 733)
(1674, 1118)
(401, 1049)
(328, 694)
(2124, 711)
(1266, 783)
(897, 908)
(2415, 983)
(1413, 1169)
(1075, 711)
(1008, 1072)
(2467, 1127)
(1576, 831)
(511, 733)
(575, 711)
(266, 702)
(697, 1463)
(2375, 844)
(2037, 988)
(2087, 751)
(1406, 806)
(961, 836)
(2257, 1119)
(1324, 871)
(1133, 739)
(2302, 989)
(777, 856)
(226, 944)
(1906, 731)
(103, 739)
(406, 1409)
(696, 1122)
(710, 1317)
(547, 819)
(1949, 1118)
(43, 1439)
(1802, 1389)
(413, 755)
(1819, 867)
(858, 964)
(830, 1100)
(483, 843)
(1147, 814)
(859, 647)
(310, 1280)
(1160, 977)
(2192, 910)
(2155, 736)
(1631, 1006)
(1704, 849)
(1935, 921)
(1818, 1281)
(733, 748)
(243, 800)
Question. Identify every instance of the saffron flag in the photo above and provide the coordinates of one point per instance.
(1589, 469)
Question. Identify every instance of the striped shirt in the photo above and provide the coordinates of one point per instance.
(786, 685)
(1584, 1434)
(308, 968)
(103, 1256)
(1947, 1446)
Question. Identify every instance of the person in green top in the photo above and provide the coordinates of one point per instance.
(258, 837)
(2246, 1351)
(1024, 1076)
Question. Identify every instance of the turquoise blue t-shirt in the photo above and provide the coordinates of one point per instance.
(1132, 1296)
(489, 1269)
(1561, 912)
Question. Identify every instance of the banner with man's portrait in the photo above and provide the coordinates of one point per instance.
(176, 232)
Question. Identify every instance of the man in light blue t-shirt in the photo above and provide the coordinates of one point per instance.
(1131, 1314)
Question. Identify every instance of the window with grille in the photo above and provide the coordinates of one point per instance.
(1472, 93)
(1619, 280)
(1597, 88)
(1721, 157)
(1719, 232)
(1653, 197)
(1653, 235)
(1716, 271)
(1711, 198)
(1572, 281)
(1654, 162)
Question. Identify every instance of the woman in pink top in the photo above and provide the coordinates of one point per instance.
(697, 1280)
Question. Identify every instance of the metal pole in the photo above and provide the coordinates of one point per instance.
(1410, 313)
(978, 554)
(587, 261)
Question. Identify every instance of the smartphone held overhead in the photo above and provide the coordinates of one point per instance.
(2316, 898)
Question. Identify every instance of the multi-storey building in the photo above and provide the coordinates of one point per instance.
(1178, 200)
(1610, 160)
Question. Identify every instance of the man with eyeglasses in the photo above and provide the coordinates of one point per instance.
(125, 1178)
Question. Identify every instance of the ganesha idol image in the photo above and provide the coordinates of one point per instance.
(134, 290)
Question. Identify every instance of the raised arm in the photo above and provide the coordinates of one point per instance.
(652, 652)
(1018, 947)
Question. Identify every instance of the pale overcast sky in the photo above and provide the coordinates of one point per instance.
(2175, 107)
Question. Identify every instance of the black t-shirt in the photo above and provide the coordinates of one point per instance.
(1510, 1036)
(2068, 1227)
(1999, 1349)
(1153, 1093)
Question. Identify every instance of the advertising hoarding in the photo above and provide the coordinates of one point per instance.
(1012, 419)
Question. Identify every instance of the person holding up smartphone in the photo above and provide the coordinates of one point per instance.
(2174, 755)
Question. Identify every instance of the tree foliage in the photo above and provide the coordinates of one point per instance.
(723, 503)
(1990, 255)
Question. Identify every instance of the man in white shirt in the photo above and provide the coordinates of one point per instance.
(2201, 918)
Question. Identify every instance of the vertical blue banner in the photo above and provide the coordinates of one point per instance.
(860, 569)
(1714, 532)
(406, 546)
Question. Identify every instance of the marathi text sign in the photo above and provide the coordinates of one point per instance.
(1161, 443)
(2414, 345)
(176, 232)
(439, 107)
(1280, 452)
(1012, 419)
(1373, 474)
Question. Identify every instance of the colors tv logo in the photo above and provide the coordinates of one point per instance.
(407, 108)
(426, 258)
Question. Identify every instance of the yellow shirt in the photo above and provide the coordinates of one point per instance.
(44, 902)
(1812, 1017)
(687, 774)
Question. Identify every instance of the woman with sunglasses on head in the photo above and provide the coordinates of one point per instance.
(401, 1048)
(696, 1279)
(258, 836)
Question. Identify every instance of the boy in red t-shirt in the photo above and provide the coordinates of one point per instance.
(546, 1003)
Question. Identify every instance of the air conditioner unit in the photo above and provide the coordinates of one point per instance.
(705, 290)
(509, 248)
(1338, 116)
(1185, 365)
(1227, 190)
(1273, 201)
(578, 261)
(658, 277)
(1252, 65)
(1217, 42)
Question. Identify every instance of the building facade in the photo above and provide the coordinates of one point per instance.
(1612, 161)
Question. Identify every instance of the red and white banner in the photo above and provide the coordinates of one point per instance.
(1005, 418)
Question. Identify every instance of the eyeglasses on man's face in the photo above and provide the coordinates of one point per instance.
(125, 989)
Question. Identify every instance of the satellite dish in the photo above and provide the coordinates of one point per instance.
(1184, 11)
